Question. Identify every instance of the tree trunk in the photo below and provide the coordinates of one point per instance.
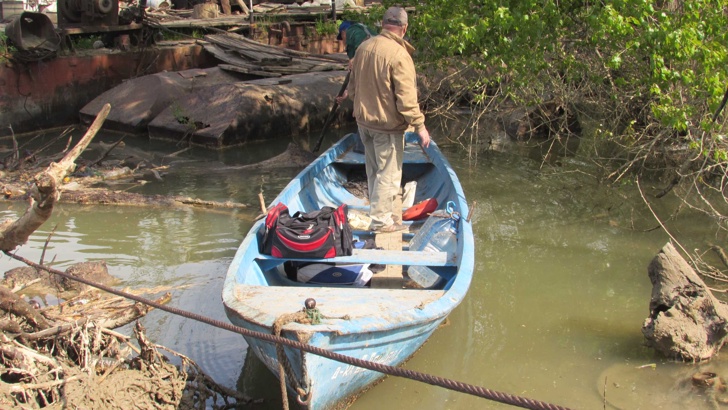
(686, 321)
(45, 193)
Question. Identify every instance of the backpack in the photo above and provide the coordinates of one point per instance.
(366, 30)
(324, 233)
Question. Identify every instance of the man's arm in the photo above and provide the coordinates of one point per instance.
(351, 88)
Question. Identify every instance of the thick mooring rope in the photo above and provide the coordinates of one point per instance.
(284, 366)
(454, 385)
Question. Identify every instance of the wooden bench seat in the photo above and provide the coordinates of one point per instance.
(383, 257)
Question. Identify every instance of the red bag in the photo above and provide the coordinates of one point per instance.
(420, 210)
(324, 233)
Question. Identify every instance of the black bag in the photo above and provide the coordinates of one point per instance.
(324, 233)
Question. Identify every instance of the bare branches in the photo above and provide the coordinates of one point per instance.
(11, 303)
(45, 194)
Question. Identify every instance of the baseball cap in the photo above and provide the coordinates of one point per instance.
(344, 25)
(395, 16)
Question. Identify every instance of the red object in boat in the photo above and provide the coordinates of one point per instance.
(420, 210)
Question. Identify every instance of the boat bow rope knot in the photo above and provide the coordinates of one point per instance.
(309, 315)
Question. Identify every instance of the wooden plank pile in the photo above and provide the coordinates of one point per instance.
(243, 55)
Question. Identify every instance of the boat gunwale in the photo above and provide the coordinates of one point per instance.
(441, 307)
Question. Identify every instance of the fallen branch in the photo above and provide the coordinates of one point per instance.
(12, 303)
(106, 152)
(45, 193)
(686, 321)
(106, 197)
(21, 388)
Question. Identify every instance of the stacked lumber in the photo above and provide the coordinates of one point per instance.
(243, 55)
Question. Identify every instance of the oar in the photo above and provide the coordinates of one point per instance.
(331, 114)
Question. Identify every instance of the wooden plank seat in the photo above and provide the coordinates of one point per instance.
(382, 257)
(413, 155)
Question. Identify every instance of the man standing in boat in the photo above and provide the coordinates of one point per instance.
(383, 86)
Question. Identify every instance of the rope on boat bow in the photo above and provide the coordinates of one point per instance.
(284, 366)
(454, 385)
(309, 315)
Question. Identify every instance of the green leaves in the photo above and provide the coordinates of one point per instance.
(674, 52)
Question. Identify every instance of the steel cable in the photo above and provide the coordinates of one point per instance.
(454, 385)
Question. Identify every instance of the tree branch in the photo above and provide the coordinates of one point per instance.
(45, 194)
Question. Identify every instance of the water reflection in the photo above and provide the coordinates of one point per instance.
(554, 313)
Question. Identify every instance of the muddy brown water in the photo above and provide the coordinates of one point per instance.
(554, 313)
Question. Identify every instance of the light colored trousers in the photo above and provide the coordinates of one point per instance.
(384, 154)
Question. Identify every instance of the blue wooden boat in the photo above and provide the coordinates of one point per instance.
(376, 324)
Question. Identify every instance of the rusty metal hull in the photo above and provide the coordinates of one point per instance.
(380, 325)
(38, 95)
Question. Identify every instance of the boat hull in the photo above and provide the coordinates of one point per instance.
(331, 384)
(382, 326)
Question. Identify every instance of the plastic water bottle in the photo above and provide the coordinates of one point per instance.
(438, 234)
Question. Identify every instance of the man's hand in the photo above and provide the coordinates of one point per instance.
(342, 97)
(424, 138)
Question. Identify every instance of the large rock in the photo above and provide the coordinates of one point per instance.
(686, 321)
(92, 271)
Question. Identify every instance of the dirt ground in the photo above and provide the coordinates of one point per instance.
(69, 356)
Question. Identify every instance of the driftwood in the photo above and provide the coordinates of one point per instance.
(77, 361)
(45, 193)
(293, 157)
(66, 355)
(12, 303)
(103, 196)
(686, 321)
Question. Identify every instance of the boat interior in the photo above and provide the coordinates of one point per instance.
(419, 257)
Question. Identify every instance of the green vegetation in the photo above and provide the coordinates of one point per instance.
(85, 42)
(327, 27)
(179, 114)
(372, 18)
(650, 76)
(6, 50)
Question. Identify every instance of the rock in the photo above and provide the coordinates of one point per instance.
(233, 114)
(139, 100)
(686, 321)
(92, 271)
(22, 276)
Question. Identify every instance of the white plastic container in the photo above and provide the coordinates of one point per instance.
(438, 234)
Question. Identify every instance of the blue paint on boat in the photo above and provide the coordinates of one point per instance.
(381, 325)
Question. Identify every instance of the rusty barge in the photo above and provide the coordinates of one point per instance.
(39, 91)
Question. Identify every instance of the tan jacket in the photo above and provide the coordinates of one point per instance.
(383, 85)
